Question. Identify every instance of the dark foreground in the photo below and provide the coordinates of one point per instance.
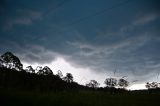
(78, 98)
(25, 89)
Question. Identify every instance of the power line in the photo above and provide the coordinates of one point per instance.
(55, 8)
(99, 12)
(94, 14)
(157, 75)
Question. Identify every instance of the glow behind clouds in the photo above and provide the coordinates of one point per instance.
(81, 75)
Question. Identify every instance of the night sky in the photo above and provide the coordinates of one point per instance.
(102, 36)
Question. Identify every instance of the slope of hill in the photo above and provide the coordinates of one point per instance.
(21, 87)
(10, 78)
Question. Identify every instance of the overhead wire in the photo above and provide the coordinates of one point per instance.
(56, 7)
(95, 14)
(100, 12)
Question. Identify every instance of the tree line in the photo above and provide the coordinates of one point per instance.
(10, 61)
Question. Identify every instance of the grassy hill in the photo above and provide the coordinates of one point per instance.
(22, 88)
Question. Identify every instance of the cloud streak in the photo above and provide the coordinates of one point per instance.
(146, 19)
(24, 17)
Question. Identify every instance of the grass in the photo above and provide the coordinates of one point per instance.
(79, 98)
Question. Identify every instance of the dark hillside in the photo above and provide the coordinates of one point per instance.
(10, 78)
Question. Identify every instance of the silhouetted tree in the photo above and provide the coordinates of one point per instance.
(110, 82)
(93, 84)
(123, 83)
(39, 70)
(68, 78)
(2, 63)
(11, 61)
(44, 71)
(29, 69)
(148, 86)
(47, 71)
(152, 85)
(59, 74)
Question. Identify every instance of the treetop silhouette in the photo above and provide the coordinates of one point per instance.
(11, 61)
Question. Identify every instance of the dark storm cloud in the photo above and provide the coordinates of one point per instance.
(134, 53)
(131, 58)
(126, 38)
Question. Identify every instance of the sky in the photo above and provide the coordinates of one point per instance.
(93, 39)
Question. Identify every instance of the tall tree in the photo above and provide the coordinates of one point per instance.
(110, 82)
(123, 83)
(93, 84)
(29, 69)
(68, 78)
(11, 61)
(39, 70)
(47, 71)
(152, 85)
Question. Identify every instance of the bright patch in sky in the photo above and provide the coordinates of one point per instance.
(81, 75)
(137, 86)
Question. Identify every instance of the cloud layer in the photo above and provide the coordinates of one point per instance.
(122, 39)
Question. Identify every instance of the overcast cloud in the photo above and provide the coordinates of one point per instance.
(126, 38)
